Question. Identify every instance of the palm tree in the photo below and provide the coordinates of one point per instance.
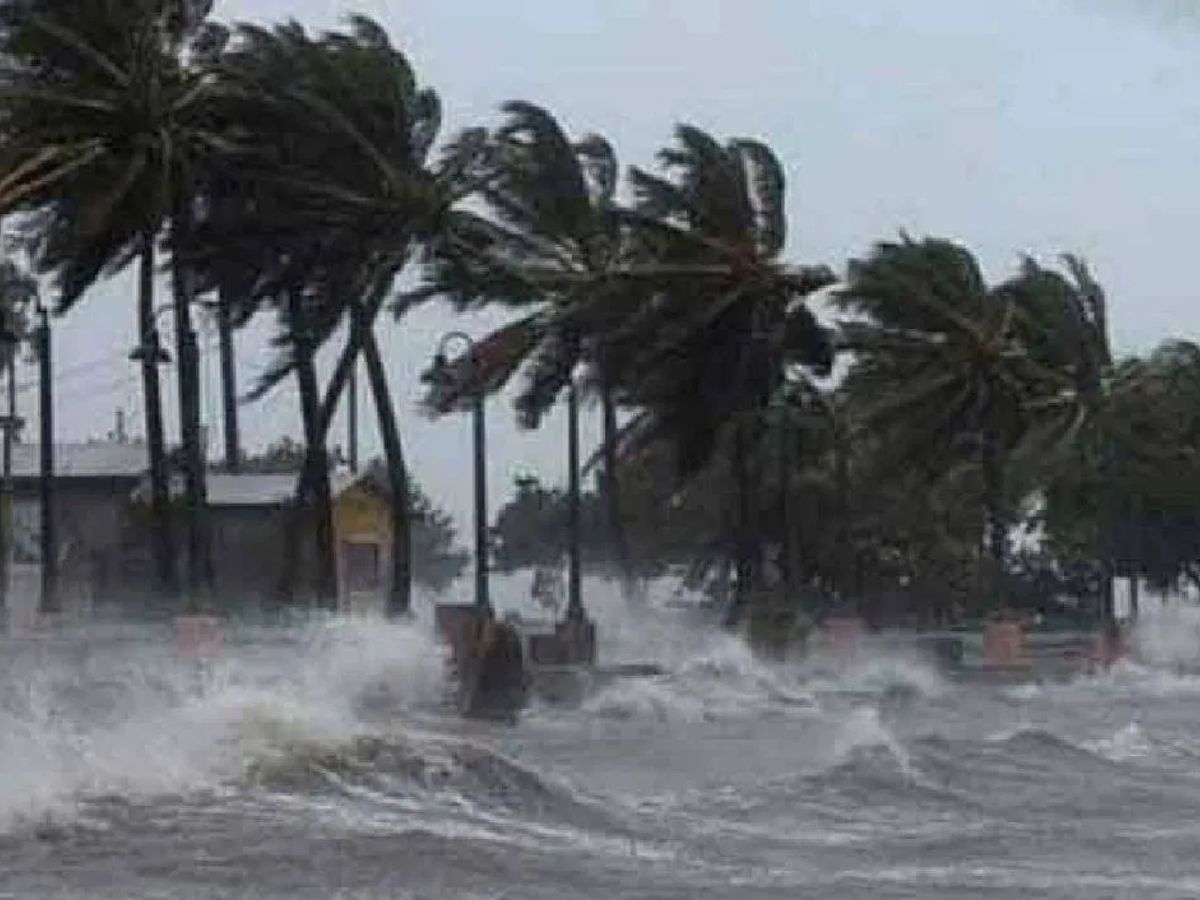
(721, 318)
(549, 241)
(101, 123)
(947, 367)
(338, 133)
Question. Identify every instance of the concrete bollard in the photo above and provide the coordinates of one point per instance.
(844, 637)
(1004, 645)
(198, 637)
(577, 638)
(1110, 647)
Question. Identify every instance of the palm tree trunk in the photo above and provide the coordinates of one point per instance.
(361, 326)
(849, 582)
(789, 569)
(319, 499)
(995, 520)
(188, 378)
(160, 501)
(399, 600)
(745, 539)
(233, 443)
(617, 536)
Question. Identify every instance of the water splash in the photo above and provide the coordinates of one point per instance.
(1168, 636)
(1126, 743)
(118, 714)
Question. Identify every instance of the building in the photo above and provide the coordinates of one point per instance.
(104, 533)
(248, 516)
(98, 538)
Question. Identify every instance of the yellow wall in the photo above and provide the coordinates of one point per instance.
(361, 516)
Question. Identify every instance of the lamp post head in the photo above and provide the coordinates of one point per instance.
(153, 352)
(438, 373)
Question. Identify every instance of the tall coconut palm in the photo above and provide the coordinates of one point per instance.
(721, 318)
(947, 367)
(1081, 426)
(347, 157)
(101, 122)
(549, 241)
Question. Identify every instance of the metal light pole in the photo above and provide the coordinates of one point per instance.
(49, 541)
(574, 563)
(441, 374)
(8, 346)
(352, 420)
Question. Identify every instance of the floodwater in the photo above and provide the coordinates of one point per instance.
(315, 763)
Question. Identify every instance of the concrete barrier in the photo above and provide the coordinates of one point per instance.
(1110, 647)
(1005, 646)
(454, 622)
(198, 637)
(844, 635)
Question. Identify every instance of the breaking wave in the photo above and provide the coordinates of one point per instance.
(118, 714)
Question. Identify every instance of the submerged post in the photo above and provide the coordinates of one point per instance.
(49, 541)
(8, 346)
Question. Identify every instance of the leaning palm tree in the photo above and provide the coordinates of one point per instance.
(336, 131)
(947, 367)
(101, 121)
(547, 241)
(721, 318)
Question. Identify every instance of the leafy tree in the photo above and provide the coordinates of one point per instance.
(531, 528)
(284, 456)
(1135, 510)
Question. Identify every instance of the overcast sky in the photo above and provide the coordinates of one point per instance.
(1019, 126)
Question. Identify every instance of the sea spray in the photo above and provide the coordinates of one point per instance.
(122, 716)
(1168, 636)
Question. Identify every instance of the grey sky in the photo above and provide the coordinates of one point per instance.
(1022, 125)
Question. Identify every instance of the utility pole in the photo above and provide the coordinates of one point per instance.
(7, 522)
(352, 419)
(49, 540)
(233, 453)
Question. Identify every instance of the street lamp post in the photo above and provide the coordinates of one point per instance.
(49, 542)
(441, 375)
(8, 347)
(574, 562)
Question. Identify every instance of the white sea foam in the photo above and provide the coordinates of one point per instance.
(91, 716)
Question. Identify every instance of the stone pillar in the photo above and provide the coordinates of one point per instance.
(1004, 645)
(198, 637)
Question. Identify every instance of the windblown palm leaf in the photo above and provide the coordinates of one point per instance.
(548, 239)
(720, 316)
(328, 182)
(100, 122)
(948, 368)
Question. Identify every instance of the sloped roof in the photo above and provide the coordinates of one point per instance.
(102, 459)
(227, 489)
